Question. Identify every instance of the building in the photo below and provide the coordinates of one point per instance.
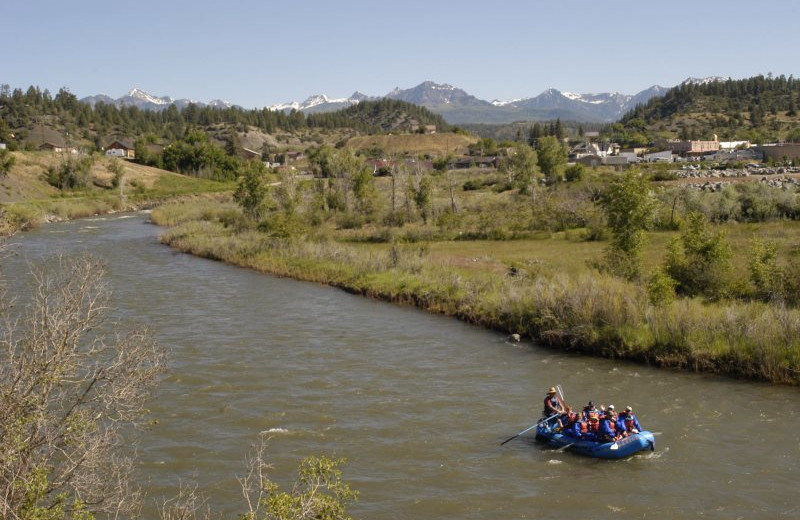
(124, 149)
(734, 145)
(589, 160)
(630, 157)
(469, 161)
(688, 147)
(780, 152)
(43, 137)
(750, 154)
(665, 156)
(594, 149)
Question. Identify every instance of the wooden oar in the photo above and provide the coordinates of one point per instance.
(530, 428)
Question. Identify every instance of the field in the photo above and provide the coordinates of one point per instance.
(414, 144)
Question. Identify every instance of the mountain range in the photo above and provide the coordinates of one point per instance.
(141, 99)
(454, 104)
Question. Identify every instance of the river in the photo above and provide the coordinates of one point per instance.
(417, 403)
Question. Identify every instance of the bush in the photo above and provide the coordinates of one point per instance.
(71, 174)
(472, 185)
(661, 288)
(699, 261)
(18, 217)
(574, 173)
(349, 220)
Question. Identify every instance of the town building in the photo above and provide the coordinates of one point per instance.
(780, 152)
(686, 148)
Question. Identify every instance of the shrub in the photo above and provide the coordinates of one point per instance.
(574, 173)
(71, 174)
(699, 260)
(19, 217)
(661, 288)
(472, 185)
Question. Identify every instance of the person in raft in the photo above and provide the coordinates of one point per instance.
(627, 422)
(608, 425)
(588, 410)
(553, 404)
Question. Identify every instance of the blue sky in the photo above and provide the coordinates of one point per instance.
(257, 53)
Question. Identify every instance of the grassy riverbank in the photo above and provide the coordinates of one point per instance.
(575, 309)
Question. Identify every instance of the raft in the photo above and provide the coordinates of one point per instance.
(620, 449)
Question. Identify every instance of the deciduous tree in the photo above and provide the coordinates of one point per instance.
(551, 156)
(629, 207)
(69, 393)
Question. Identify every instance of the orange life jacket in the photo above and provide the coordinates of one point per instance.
(584, 427)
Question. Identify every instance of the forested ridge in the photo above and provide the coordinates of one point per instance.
(759, 109)
(21, 110)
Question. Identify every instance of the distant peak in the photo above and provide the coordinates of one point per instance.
(703, 81)
(437, 86)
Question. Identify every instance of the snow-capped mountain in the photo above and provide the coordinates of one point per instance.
(553, 103)
(321, 103)
(430, 94)
(146, 101)
(454, 104)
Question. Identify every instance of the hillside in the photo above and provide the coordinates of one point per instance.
(758, 109)
(385, 115)
(28, 198)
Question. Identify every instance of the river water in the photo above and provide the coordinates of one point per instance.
(418, 404)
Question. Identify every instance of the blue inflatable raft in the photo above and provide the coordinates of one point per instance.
(620, 449)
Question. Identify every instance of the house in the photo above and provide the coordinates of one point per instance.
(43, 137)
(123, 148)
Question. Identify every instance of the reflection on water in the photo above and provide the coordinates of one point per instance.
(418, 404)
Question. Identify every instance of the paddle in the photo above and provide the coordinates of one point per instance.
(530, 428)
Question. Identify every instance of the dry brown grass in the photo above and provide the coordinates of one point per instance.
(415, 144)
